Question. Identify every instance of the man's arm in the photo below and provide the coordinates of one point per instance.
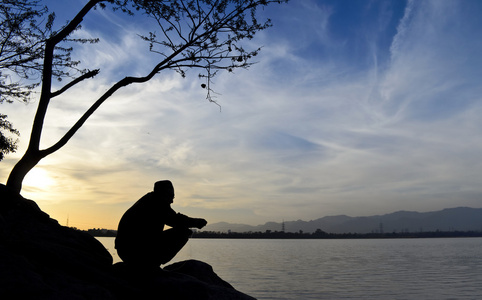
(180, 220)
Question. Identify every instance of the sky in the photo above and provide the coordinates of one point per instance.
(353, 107)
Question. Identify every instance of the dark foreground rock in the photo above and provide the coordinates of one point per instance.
(39, 259)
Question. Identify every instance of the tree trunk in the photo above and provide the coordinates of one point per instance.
(29, 160)
(33, 155)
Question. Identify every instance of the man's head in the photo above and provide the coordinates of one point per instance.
(164, 188)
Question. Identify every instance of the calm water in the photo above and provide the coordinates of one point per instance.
(343, 269)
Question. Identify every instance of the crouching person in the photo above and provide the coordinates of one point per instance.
(141, 240)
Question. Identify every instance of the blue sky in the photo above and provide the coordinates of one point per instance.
(354, 107)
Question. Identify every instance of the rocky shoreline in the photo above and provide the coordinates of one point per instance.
(40, 259)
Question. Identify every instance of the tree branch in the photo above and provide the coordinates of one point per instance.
(122, 83)
(87, 75)
(48, 71)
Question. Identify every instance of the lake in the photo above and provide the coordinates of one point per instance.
(438, 268)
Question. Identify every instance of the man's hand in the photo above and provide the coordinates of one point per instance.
(200, 223)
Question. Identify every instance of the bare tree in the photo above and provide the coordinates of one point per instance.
(202, 34)
(25, 26)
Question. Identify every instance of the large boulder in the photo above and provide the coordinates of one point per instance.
(40, 259)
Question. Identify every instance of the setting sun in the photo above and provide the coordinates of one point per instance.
(38, 179)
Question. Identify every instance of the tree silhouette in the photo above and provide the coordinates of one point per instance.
(24, 30)
(23, 33)
(202, 34)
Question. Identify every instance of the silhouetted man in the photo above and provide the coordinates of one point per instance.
(141, 239)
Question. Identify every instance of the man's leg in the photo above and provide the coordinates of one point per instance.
(172, 241)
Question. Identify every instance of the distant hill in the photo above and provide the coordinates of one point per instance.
(449, 219)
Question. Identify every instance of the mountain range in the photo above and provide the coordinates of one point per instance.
(449, 219)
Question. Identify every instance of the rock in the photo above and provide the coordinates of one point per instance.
(218, 288)
(40, 259)
(200, 270)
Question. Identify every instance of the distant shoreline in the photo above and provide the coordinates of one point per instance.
(314, 235)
